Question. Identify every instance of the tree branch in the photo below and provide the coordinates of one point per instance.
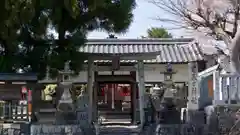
(197, 14)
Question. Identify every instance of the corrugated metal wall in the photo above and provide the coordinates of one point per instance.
(206, 96)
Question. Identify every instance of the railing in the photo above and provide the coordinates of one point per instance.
(14, 113)
(226, 89)
(11, 131)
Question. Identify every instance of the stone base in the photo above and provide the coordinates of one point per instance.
(63, 118)
(65, 107)
(195, 117)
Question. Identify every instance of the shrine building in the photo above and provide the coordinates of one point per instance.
(120, 72)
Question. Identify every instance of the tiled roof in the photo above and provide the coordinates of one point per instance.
(171, 50)
(18, 77)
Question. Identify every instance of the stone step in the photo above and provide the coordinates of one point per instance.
(118, 133)
(119, 130)
(127, 130)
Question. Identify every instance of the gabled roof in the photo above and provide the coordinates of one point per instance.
(171, 50)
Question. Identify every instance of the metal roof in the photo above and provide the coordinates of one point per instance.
(171, 50)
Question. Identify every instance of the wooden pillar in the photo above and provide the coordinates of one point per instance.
(90, 80)
(141, 90)
(134, 102)
(112, 96)
(95, 101)
(95, 98)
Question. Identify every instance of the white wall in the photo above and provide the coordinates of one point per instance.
(152, 73)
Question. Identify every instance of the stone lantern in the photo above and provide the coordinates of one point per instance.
(168, 111)
(168, 73)
(66, 103)
(65, 109)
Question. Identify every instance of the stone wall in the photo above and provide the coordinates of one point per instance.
(224, 119)
(218, 119)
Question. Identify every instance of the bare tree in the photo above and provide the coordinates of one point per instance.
(218, 19)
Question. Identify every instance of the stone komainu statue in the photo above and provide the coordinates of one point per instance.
(48, 92)
(78, 91)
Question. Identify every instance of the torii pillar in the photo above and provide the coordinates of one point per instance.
(140, 70)
(90, 81)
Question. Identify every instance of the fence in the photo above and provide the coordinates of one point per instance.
(14, 113)
(11, 131)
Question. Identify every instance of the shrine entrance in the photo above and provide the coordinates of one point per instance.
(114, 102)
(115, 98)
(136, 70)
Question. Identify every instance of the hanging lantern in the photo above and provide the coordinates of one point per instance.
(125, 91)
(24, 90)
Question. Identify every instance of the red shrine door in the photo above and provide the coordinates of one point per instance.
(115, 95)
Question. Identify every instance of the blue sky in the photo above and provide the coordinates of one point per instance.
(144, 15)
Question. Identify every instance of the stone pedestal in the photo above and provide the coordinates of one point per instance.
(169, 113)
(82, 110)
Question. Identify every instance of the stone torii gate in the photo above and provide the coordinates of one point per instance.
(139, 57)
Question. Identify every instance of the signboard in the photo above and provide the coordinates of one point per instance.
(116, 63)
